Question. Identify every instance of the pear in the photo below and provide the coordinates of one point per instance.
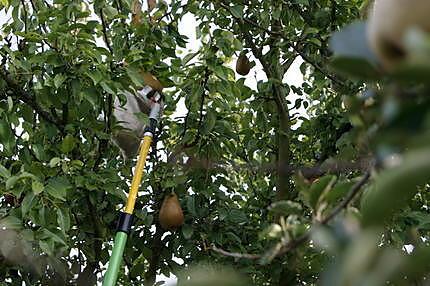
(171, 216)
(243, 66)
(388, 25)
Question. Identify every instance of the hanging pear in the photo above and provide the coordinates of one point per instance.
(388, 25)
(243, 66)
(171, 216)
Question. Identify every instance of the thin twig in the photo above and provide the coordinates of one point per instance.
(235, 254)
(351, 195)
(47, 4)
(170, 12)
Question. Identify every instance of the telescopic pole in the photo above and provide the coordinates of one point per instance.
(126, 217)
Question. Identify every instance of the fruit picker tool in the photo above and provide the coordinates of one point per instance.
(126, 216)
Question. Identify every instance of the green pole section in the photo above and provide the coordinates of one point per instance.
(115, 260)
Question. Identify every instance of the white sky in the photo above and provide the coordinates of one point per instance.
(187, 26)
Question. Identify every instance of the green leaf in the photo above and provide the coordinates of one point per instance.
(9, 103)
(10, 183)
(95, 75)
(221, 72)
(27, 203)
(37, 187)
(237, 11)
(188, 58)
(7, 138)
(237, 216)
(47, 247)
(110, 11)
(58, 187)
(187, 231)
(59, 79)
(4, 172)
(191, 205)
(317, 188)
(411, 73)
(339, 191)
(108, 87)
(53, 236)
(148, 220)
(285, 208)
(135, 76)
(27, 175)
(17, 23)
(137, 269)
(272, 231)
(63, 219)
(54, 162)
(394, 188)
(68, 144)
(10, 222)
(210, 121)
(92, 96)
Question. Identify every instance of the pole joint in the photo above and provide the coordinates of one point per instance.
(125, 222)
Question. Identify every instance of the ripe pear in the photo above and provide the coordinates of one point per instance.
(171, 216)
(243, 66)
(389, 22)
(152, 81)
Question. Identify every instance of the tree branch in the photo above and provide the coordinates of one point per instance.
(104, 29)
(307, 172)
(288, 245)
(21, 94)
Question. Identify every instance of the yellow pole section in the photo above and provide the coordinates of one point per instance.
(138, 173)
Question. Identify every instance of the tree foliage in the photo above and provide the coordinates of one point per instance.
(331, 196)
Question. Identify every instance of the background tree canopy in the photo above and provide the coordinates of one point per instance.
(337, 197)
